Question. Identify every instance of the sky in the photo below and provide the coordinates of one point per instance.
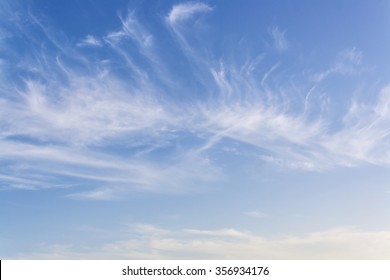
(194, 130)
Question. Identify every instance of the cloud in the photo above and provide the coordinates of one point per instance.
(90, 40)
(151, 242)
(86, 112)
(104, 126)
(297, 142)
(91, 175)
(348, 62)
(90, 112)
(32, 182)
(258, 114)
(71, 116)
(186, 38)
(264, 114)
(184, 11)
(131, 28)
(259, 125)
(279, 41)
(97, 194)
(364, 136)
(65, 122)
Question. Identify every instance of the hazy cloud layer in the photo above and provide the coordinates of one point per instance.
(151, 242)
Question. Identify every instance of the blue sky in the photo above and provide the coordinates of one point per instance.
(214, 129)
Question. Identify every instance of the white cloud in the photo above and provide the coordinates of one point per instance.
(100, 175)
(131, 28)
(98, 128)
(262, 115)
(256, 124)
(255, 214)
(89, 111)
(151, 242)
(90, 40)
(365, 134)
(295, 141)
(97, 194)
(292, 140)
(65, 122)
(279, 41)
(175, 19)
(184, 11)
(28, 182)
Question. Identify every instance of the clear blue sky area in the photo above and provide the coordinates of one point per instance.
(179, 130)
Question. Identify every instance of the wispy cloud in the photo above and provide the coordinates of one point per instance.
(78, 117)
(88, 111)
(184, 11)
(178, 20)
(365, 133)
(100, 175)
(66, 123)
(90, 40)
(132, 29)
(295, 141)
(151, 242)
(348, 62)
(261, 114)
(279, 40)
(170, 107)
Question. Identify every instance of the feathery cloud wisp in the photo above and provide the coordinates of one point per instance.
(131, 28)
(279, 41)
(80, 105)
(184, 11)
(90, 40)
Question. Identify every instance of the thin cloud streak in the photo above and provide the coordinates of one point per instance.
(176, 19)
(132, 29)
(114, 175)
(90, 40)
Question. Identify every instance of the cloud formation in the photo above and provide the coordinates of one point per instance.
(348, 62)
(184, 11)
(131, 28)
(80, 113)
(165, 108)
(151, 242)
(90, 40)
(280, 43)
